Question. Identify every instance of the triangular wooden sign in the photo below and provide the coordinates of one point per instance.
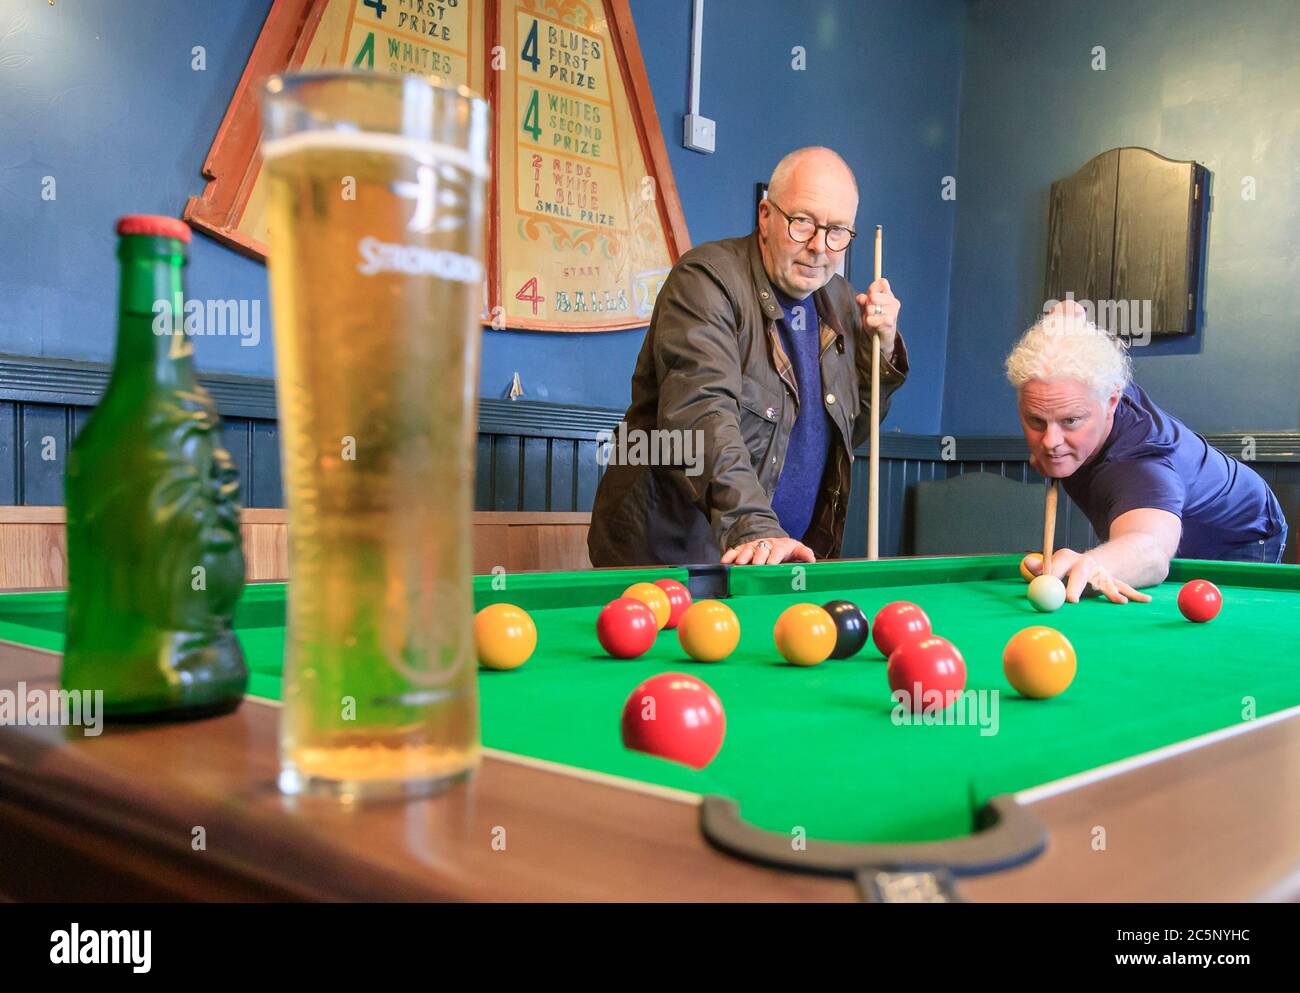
(584, 218)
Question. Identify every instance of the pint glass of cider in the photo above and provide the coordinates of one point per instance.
(375, 188)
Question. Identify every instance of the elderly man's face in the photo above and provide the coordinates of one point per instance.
(1065, 423)
(822, 191)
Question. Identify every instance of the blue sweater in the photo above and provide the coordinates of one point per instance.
(805, 457)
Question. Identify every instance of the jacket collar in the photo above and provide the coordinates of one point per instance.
(767, 301)
(826, 307)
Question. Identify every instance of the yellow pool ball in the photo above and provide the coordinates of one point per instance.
(653, 597)
(1039, 662)
(1030, 566)
(709, 631)
(805, 634)
(504, 636)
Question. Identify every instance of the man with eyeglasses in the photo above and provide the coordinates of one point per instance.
(751, 390)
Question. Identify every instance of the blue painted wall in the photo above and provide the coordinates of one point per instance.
(1192, 79)
(102, 97)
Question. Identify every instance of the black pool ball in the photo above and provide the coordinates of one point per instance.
(851, 627)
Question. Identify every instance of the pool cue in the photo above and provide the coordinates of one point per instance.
(1049, 526)
(873, 458)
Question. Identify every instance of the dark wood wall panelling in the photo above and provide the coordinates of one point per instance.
(908, 459)
(899, 475)
(27, 478)
(530, 456)
(538, 456)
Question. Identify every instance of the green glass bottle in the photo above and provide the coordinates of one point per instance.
(155, 560)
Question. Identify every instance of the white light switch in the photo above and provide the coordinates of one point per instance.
(699, 135)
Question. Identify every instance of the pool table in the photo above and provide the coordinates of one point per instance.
(1169, 770)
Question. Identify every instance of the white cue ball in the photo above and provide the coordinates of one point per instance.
(1046, 593)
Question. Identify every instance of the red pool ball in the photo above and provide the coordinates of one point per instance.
(896, 623)
(933, 664)
(1200, 601)
(679, 598)
(626, 628)
(676, 717)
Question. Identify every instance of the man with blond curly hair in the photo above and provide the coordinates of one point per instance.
(1152, 488)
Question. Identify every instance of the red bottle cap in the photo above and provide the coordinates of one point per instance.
(155, 224)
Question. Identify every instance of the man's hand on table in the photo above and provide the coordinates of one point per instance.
(1080, 571)
(768, 551)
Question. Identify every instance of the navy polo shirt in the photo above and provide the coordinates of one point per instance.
(1152, 459)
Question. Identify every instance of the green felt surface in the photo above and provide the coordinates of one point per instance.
(816, 748)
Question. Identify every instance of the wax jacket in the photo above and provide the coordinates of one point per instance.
(714, 401)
